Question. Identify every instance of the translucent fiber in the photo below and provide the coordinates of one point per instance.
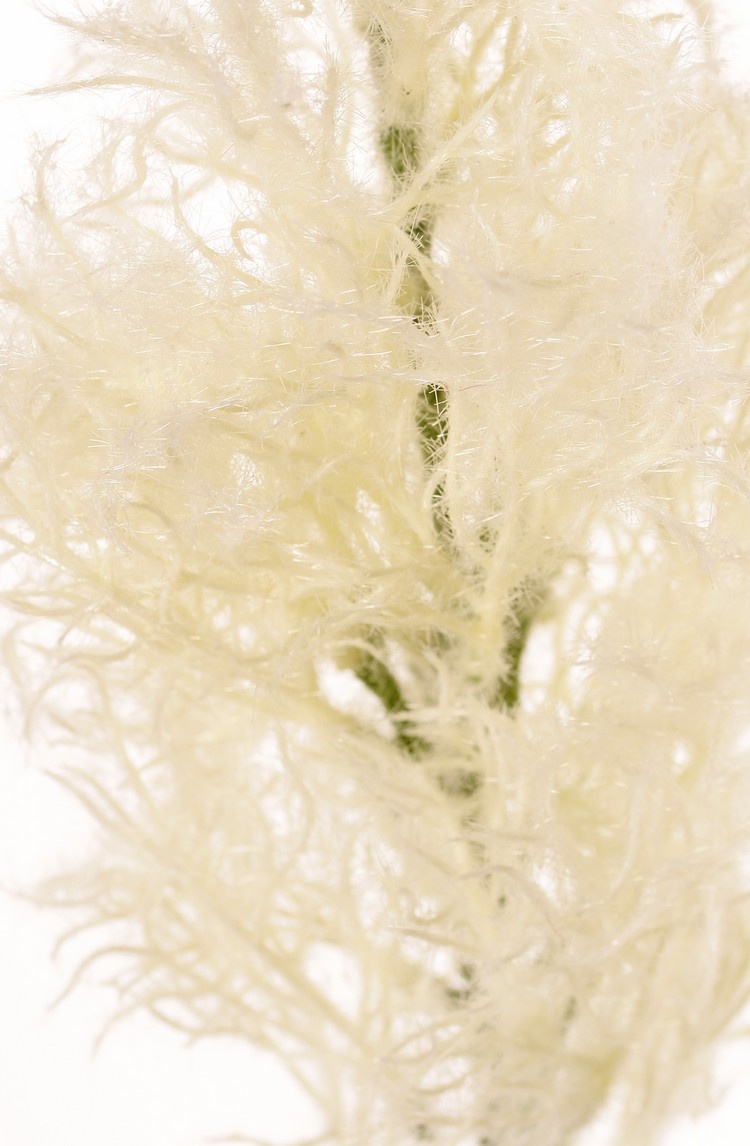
(376, 532)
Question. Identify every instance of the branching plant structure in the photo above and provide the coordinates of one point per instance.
(374, 433)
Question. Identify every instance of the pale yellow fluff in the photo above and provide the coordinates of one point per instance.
(374, 423)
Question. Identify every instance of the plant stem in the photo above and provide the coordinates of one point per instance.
(402, 150)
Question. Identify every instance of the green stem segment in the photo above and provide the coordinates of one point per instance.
(402, 150)
(381, 681)
(508, 691)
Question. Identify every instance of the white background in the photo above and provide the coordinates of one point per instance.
(144, 1088)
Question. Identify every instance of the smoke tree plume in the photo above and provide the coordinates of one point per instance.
(375, 523)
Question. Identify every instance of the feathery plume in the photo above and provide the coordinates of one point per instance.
(376, 529)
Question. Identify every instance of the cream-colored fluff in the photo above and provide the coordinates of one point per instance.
(375, 504)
